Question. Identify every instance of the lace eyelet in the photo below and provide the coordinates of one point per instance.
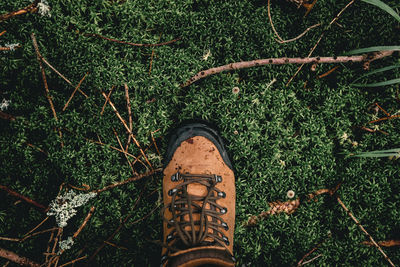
(222, 194)
(224, 210)
(172, 191)
(217, 178)
(169, 238)
(225, 226)
(163, 259)
(175, 177)
(225, 240)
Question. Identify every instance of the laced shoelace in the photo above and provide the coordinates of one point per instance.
(184, 206)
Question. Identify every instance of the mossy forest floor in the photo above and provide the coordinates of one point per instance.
(280, 138)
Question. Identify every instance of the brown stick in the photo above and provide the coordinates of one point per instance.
(88, 216)
(37, 226)
(105, 103)
(320, 38)
(24, 198)
(385, 118)
(128, 106)
(73, 261)
(6, 116)
(2, 33)
(28, 236)
(135, 178)
(127, 128)
(9, 48)
(73, 93)
(129, 43)
(311, 251)
(152, 56)
(273, 61)
(280, 40)
(328, 72)
(127, 159)
(365, 231)
(49, 98)
(387, 243)
(9, 255)
(31, 8)
(62, 76)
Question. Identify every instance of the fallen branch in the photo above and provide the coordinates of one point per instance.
(280, 40)
(366, 58)
(129, 43)
(388, 243)
(135, 178)
(24, 198)
(29, 9)
(9, 255)
(49, 98)
(365, 231)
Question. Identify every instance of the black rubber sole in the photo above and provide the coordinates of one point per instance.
(192, 129)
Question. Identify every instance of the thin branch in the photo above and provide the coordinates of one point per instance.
(328, 72)
(28, 236)
(49, 98)
(73, 261)
(9, 255)
(6, 116)
(127, 128)
(301, 262)
(37, 226)
(88, 216)
(385, 118)
(387, 243)
(114, 245)
(128, 106)
(280, 40)
(127, 159)
(73, 93)
(2, 33)
(311, 260)
(365, 231)
(320, 38)
(9, 48)
(62, 76)
(22, 197)
(31, 8)
(281, 61)
(129, 43)
(105, 103)
(135, 178)
(152, 56)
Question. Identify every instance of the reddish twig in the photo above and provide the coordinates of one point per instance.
(73, 93)
(285, 60)
(127, 128)
(9, 48)
(280, 40)
(128, 106)
(108, 97)
(73, 261)
(385, 118)
(129, 43)
(328, 72)
(37, 148)
(319, 40)
(384, 111)
(49, 98)
(29, 9)
(365, 231)
(301, 262)
(114, 245)
(2, 33)
(9, 255)
(155, 143)
(152, 56)
(28, 236)
(62, 76)
(24, 198)
(120, 144)
(85, 221)
(37, 226)
(387, 243)
(6, 116)
(135, 178)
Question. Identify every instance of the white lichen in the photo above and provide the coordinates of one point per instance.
(4, 104)
(63, 207)
(44, 8)
(65, 244)
(12, 46)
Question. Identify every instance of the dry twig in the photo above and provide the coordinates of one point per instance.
(129, 43)
(152, 56)
(9, 48)
(281, 61)
(387, 243)
(29, 9)
(9, 255)
(365, 231)
(301, 262)
(127, 128)
(108, 97)
(320, 38)
(49, 98)
(6, 116)
(135, 178)
(280, 40)
(27, 236)
(127, 159)
(73, 261)
(73, 93)
(128, 106)
(22, 197)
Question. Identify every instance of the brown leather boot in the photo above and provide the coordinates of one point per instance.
(199, 199)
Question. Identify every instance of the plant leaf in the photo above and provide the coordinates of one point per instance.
(384, 7)
(373, 49)
(376, 71)
(379, 153)
(389, 82)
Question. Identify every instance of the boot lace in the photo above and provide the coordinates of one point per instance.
(187, 231)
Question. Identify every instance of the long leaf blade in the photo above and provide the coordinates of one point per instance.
(389, 82)
(376, 71)
(384, 7)
(373, 49)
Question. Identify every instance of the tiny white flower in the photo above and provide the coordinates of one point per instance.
(4, 104)
(290, 194)
(206, 55)
(235, 90)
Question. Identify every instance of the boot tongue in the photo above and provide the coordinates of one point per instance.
(197, 190)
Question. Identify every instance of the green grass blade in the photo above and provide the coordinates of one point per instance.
(389, 82)
(373, 49)
(379, 153)
(376, 71)
(384, 7)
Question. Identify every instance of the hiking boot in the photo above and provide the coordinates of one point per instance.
(199, 199)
